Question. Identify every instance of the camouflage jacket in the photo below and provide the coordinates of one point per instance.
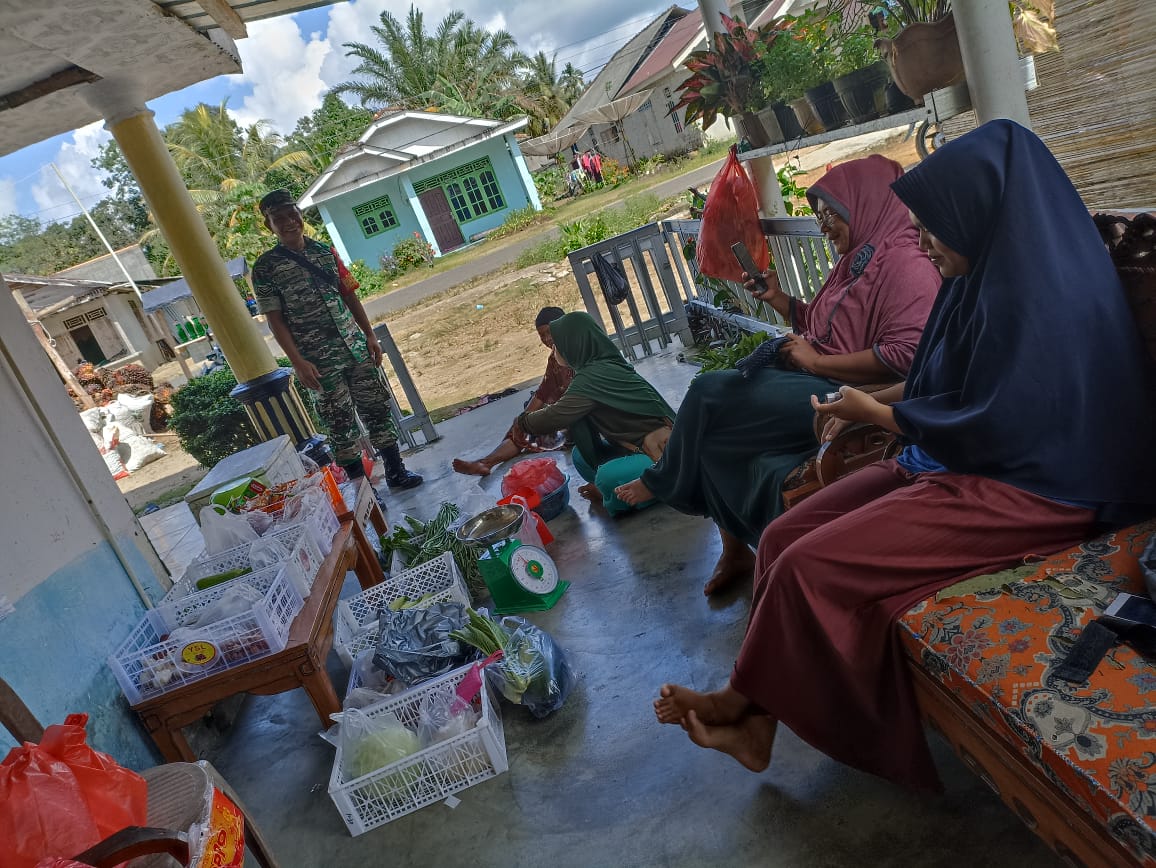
(317, 316)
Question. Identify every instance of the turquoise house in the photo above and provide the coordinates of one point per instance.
(445, 178)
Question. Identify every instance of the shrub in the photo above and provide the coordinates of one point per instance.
(549, 182)
(209, 424)
(372, 282)
(516, 221)
(410, 253)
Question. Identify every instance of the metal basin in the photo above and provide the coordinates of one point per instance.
(488, 527)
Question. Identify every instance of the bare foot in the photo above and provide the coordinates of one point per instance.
(633, 493)
(730, 568)
(749, 741)
(718, 708)
(591, 493)
(471, 468)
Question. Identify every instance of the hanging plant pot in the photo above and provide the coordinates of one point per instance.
(827, 106)
(771, 127)
(924, 57)
(752, 130)
(788, 123)
(806, 117)
(863, 91)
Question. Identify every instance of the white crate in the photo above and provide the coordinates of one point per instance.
(303, 552)
(276, 460)
(355, 621)
(430, 775)
(321, 522)
(150, 662)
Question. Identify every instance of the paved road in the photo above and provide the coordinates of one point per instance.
(378, 308)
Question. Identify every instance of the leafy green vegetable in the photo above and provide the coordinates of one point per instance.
(482, 633)
(418, 542)
(724, 358)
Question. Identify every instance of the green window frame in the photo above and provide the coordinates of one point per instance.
(472, 190)
(375, 216)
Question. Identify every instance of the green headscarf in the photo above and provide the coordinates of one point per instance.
(600, 373)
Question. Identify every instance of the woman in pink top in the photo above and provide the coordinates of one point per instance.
(739, 433)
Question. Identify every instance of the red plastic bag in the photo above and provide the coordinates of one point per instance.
(731, 214)
(61, 797)
(534, 474)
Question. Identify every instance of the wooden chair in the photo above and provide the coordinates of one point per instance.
(1131, 242)
(176, 800)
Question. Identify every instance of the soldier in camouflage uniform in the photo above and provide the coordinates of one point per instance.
(312, 307)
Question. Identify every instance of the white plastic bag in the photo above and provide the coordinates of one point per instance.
(128, 419)
(267, 552)
(371, 743)
(142, 451)
(93, 419)
(238, 599)
(139, 408)
(443, 716)
(259, 520)
(113, 463)
(222, 532)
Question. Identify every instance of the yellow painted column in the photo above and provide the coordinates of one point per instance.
(201, 264)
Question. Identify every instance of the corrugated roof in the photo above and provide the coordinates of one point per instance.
(665, 55)
(155, 299)
(49, 294)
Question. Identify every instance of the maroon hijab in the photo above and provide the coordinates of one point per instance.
(878, 296)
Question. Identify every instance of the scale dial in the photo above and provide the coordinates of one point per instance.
(533, 569)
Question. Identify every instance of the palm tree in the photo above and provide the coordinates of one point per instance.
(459, 65)
(571, 83)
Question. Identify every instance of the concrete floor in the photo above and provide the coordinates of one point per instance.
(600, 783)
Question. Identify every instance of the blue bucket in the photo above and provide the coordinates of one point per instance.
(556, 501)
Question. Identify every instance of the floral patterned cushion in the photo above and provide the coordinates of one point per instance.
(996, 649)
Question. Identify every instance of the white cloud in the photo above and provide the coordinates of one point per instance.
(8, 197)
(74, 159)
(285, 73)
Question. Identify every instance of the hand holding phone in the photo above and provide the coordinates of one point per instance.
(744, 258)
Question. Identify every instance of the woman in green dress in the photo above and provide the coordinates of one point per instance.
(613, 415)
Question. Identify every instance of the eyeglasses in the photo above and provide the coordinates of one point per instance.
(826, 219)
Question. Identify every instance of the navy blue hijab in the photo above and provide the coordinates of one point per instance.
(1030, 370)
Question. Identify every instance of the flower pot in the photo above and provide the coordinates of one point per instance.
(805, 115)
(924, 57)
(863, 91)
(788, 123)
(827, 105)
(752, 130)
(771, 127)
(896, 101)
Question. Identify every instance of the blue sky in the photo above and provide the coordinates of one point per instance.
(290, 62)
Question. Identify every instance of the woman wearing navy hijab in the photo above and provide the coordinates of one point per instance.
(1027, 422)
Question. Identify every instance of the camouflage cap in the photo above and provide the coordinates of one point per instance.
(276, 199)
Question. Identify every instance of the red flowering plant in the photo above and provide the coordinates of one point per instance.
(724, 80)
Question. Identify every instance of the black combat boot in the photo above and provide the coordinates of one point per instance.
(354, 470)
(396, 476)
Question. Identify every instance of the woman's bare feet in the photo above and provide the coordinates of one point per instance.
(730, 568)
(718, 708)
(471, 468)
(633, 493)
(749, 740)
(591, 493)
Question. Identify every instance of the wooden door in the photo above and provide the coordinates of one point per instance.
(447, 233)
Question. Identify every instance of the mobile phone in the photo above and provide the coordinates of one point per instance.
(1129, 607)
(744, 259)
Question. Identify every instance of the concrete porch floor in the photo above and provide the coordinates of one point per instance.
(600, 783)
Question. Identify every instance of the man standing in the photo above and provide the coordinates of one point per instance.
(313, 310)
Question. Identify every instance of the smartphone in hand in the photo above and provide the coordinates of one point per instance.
(748, 264)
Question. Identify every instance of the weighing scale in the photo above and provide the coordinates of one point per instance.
(520, 577)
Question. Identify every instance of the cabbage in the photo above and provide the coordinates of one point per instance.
(379, 748)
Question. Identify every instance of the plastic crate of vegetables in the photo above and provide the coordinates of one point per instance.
(371, 785)
(183, 640)
(355, 621)
(234, 562)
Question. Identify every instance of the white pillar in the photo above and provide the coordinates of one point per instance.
(710, 11)
(990, 60)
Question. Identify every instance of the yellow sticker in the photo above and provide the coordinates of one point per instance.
(199, 653)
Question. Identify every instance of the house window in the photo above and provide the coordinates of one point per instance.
(609, 136)
(670, 108)
(472, 189)
(376, 216)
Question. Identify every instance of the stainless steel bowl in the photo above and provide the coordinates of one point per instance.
(488, 527)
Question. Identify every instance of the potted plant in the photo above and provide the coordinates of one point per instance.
(860, 75)
(791, 65)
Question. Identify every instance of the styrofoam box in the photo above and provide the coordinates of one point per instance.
(355, 621)
(297, 539)
(430, 775)
(153, 661)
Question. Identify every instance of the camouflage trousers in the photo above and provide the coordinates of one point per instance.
(358, 390)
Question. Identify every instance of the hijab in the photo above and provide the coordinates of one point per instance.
(880, 293)
(601, 374)
(1030, 370)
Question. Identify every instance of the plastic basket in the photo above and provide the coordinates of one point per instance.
(303, 552)
(152, 661)
(355, 621)
(321, 522)
(430, 775)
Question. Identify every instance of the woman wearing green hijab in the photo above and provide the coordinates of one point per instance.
(612, 414)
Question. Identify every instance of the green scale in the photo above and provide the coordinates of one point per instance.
(520, 577)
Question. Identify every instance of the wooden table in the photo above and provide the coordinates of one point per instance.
(300, 664)
(365, 509)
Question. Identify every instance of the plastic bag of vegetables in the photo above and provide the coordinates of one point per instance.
(417, 644)
(533, 672)
(372, 743)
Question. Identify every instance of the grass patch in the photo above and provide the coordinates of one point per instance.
(635, 211)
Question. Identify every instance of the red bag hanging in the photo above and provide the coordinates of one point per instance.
(61, 797)
(731, 214)
(534, 474)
